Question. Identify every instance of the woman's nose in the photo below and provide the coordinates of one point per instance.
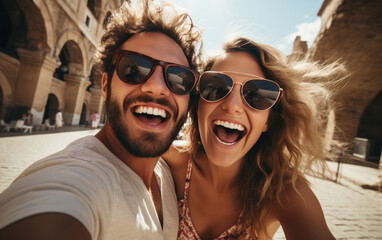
(233, 103)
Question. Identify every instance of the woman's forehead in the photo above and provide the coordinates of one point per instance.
(240, 62)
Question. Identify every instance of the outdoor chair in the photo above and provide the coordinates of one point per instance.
(8, 126)
(20, 125)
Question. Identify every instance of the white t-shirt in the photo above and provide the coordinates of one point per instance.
(88, 182)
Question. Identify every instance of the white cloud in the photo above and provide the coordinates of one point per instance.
(308, 32)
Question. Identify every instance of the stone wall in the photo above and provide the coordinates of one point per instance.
(351, 32)
(48, 41)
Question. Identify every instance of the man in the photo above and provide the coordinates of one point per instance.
(95, 120)
(29, 119)
(59, 121)
(112, 186)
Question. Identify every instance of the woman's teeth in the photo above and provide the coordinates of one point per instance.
(226, 124)
(150, 111)
(228, 133)
(225, 143)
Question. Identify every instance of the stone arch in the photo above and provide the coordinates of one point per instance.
(36, 33)
(370, 123)
(7, 89)
(6, 95)
(75, 37)
(52, 106)
(109, 5)
(83, 114)
(95, 7)
(56, 91)
(107, 9)
(106, 19)
(13, 28)
(50, 33)
(95, 78)
(71, 61)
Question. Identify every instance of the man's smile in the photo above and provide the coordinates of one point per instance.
(149, 116)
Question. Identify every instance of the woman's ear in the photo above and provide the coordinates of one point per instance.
(269, 121)
(104, 85)
(265, 128)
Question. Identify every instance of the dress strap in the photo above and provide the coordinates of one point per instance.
(188, 178)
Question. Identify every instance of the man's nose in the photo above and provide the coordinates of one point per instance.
(156, 85)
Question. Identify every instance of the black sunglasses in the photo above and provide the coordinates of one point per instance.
(136, 68)
(259, 93)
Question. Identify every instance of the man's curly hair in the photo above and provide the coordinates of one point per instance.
(148, 16)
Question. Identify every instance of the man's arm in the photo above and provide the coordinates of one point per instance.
(46, 226)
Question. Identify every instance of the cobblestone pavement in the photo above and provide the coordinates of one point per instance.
(351, 212)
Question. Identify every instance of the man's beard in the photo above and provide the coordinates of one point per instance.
(147, 144)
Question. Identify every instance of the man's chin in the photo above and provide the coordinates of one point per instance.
(148, 145)
(141, 144)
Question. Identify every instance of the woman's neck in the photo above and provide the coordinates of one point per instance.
(221, 178)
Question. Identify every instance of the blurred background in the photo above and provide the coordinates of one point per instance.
(47, 63)
(47, 66)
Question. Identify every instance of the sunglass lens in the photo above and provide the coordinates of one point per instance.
(179, 80)
(133, 69)
(214, 86)
(260, 94)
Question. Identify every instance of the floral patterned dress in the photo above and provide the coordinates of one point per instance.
(187, 229)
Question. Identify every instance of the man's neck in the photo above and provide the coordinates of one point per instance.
(144, 167)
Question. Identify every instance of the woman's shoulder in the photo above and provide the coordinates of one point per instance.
(177, 159)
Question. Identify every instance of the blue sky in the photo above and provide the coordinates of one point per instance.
(274, 22)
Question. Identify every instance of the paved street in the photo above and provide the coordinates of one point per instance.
(351, 212)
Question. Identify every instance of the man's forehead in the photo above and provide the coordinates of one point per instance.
(156, 45)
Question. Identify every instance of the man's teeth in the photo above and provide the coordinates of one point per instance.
(229, 125)
(151, 111)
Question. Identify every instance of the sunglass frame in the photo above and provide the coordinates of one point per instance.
(253, 77)
(119, 53)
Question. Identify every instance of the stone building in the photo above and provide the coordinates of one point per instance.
(351, 32)
(46, 58)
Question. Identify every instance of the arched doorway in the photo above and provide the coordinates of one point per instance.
(51, 108)
(83, 115)
(22, 26)
(370, 129)
(71, 60)
(13, 28)
(370, 124)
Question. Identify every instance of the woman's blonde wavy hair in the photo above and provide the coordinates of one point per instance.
(295, 138)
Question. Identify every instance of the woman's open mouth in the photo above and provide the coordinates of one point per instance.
(228, 133)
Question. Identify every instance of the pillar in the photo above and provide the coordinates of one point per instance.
(34, 81)
(75, 94)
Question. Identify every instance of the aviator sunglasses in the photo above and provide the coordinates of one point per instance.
(136, 68)
(259, 93)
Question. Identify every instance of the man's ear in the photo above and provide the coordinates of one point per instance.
(104, 85)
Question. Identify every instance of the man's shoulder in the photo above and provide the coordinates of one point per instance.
(163, 170)
(162, 165)
(83, 155)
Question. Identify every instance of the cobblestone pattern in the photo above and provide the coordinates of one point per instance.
(351, 212)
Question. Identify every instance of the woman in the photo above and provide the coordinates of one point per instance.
(254, 128)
